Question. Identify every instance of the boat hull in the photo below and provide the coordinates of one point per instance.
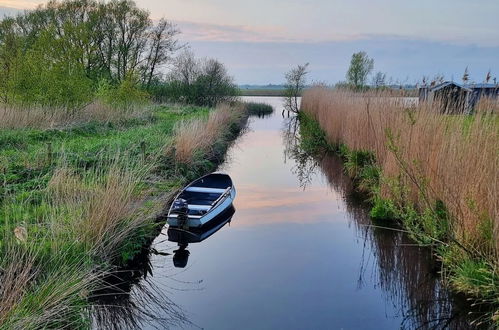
(203, 222)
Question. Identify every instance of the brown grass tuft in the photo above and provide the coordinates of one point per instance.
(193, 136)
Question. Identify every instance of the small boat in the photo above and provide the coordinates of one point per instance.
(202, 202)
(195, 235)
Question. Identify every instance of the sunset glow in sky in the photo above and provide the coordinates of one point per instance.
(261, 39)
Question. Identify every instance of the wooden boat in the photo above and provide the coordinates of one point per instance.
(202, 202)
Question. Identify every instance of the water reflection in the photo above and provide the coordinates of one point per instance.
(407, 274)
(301, 253)
(185, 237)
(128, 299)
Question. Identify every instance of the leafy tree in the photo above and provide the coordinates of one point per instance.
(202, 82)
(295, 83)
(75, 44)
(360, 68)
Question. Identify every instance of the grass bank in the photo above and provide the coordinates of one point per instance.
(79, 196)
(435, 174)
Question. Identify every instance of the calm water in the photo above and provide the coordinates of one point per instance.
(299, 253)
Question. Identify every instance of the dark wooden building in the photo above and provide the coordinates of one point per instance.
(454, 98)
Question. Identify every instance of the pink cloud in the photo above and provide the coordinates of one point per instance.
(220, 32)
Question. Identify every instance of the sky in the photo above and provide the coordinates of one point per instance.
(260, 40)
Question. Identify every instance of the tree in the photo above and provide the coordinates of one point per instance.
(163, 44)
(360, 68)
(203, 82)
(295, 83)
(379, 80)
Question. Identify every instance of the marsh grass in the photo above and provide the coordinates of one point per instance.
(438, 173)
(19, 117)
(74, 211)
(199, 136)
(258, 109)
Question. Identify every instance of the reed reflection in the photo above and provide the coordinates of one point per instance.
(406, 274)
(129, 300)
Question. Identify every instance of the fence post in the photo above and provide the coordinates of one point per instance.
(49, 153)
(143, 149)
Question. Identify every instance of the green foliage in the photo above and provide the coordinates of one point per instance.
(383, 209)
(199, 82)
(56, 54)
(313, 139)
(360, 68)
(258, 109)
(356, 160)
(369, 178)
(125, 96)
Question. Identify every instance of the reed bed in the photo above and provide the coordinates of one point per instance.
(18, 117)
(424, 156)
(199, 136)
(438, 172)
(86, 214)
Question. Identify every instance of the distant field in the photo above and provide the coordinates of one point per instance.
(262, 92)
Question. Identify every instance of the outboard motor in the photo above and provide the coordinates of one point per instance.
(181, 256)
(181, 207)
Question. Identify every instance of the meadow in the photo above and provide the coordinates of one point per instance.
(436, 174)
(81, 192)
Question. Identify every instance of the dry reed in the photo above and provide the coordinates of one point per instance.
(12, 117)
(436, 157)
(198, 135)
(102, 207)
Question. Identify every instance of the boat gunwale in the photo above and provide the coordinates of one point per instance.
(223, 197)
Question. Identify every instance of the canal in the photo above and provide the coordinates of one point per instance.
(300, 252)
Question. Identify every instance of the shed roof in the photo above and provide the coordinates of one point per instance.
(449, 83)
(482, 85)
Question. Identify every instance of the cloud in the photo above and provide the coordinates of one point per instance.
(218, 32)
(20, 4)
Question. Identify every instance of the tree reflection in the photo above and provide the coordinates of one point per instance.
(406, 273)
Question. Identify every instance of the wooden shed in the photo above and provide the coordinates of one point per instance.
(454, 98)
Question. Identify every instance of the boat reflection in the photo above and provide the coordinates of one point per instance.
(186, 237)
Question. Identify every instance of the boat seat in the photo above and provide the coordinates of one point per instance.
(199, 207)
(205, 190)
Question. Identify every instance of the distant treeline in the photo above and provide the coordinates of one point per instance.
(67, 53)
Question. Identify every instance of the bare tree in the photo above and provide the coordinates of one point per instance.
(185, 68)
(162, 45)
(295, 83)
(379, 80)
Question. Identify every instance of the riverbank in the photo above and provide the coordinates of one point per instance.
(80, 197)
(435, 174)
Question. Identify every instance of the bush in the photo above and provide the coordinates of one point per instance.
(258, 109)
(126, 95)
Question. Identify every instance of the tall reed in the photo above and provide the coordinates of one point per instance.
(198, 136)
(431, 157)
(18, 117)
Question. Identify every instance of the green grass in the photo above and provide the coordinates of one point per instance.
(79, 201)
(258, 109)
